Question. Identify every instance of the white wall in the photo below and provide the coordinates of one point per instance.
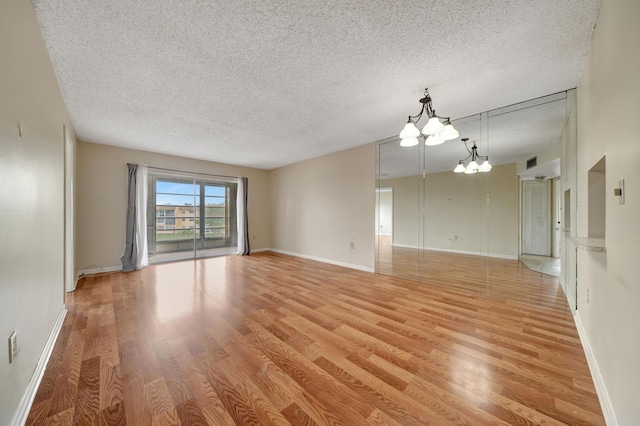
(321, 206)
(32, 194)
(608, 124)
(102, 199)
(455, 205)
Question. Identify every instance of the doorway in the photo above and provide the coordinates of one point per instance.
(536, 218)
(384, 212)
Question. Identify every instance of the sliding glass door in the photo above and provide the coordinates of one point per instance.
(190, 218)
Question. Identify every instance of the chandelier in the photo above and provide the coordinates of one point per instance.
(473, 165)
(436, 131)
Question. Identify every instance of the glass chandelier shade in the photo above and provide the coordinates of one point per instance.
(448, 132)
(432, 140)
(409, 131)
(436, 131)
(433, 126)
(485, 167)
(406, 142)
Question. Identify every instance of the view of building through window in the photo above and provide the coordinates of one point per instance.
(188, 214)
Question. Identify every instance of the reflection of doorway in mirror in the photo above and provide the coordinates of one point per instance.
(384, 212)
(536, 218)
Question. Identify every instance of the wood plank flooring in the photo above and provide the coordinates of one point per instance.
(498, 278)
(269, 339)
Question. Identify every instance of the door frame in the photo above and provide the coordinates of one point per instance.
(69, 206)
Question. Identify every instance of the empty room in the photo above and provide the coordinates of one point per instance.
(319, 213)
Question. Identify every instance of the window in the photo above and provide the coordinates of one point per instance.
(215, 211)
(190, 214)
(170, 217)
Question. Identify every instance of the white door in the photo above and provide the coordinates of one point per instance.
(535, 218)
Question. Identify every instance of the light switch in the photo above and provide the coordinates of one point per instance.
(619, 191)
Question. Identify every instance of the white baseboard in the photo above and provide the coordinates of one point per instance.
(603, 396)
(324, 260)
(567, 295)
(22, 412)
(91, 271)
(474, 253)
(406, 246)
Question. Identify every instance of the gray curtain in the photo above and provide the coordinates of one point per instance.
(130, 257)
(243, 217)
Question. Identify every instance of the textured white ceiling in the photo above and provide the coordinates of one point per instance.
(264, 84)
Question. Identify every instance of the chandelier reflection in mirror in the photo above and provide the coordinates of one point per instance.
(473, 166)
(436, 131)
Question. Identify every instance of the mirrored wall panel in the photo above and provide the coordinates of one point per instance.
(499, 231)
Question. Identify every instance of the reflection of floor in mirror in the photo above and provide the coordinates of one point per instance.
(545, 264)
(504, 279)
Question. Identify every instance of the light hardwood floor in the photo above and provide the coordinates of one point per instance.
(504, 279)
(272, 339)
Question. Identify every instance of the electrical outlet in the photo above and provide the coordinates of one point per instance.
(352, 245)
(253, 237)
(588, 297)
(13, 347)
(455, 238)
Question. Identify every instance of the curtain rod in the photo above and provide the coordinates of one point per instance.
(193, 173)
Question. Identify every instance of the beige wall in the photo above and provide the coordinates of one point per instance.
(455, 205)
(32, 194)
(102, 199)
(322, 205)
(550, 153)
(608, 111)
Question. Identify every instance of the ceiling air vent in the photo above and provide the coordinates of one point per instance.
(532, 162)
